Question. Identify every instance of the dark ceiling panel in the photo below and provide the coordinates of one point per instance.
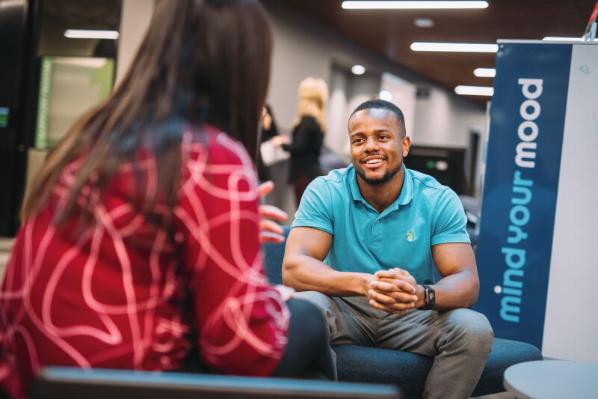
(390, 32)
(88, 14)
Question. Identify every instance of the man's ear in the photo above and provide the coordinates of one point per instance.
(406, 144)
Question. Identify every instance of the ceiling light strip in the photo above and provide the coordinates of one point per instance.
(412, 5)
(484, 72)
(91, 34)
(455, 47)
(566, 39)
(474, 90)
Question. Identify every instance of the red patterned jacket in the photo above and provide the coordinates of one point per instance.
(122, 294)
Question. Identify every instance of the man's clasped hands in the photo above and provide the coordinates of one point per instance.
(393, 290)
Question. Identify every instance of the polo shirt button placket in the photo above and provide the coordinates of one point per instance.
(377, 231)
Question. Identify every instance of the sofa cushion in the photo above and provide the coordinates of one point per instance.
(362, 363)
(409, 370)
(505, 353)
(273, 254)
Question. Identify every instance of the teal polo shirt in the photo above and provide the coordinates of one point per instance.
(426, 213)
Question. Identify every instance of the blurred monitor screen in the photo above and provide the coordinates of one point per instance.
(4, 114)
(69, 86)
(447, 165)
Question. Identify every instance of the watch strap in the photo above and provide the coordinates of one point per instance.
(429, 297)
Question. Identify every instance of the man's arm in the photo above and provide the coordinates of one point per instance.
(458, 288)
(454, 258)
(460, 285)
(303, 269)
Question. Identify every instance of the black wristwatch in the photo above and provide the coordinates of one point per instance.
(429, 296)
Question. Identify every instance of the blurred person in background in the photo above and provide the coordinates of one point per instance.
(268, 133)
(308, 135)
(140, 244)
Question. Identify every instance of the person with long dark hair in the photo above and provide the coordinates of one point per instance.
(140, 244)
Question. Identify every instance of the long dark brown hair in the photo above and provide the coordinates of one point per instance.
(201, 61)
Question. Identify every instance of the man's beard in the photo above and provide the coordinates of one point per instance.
(376, 182)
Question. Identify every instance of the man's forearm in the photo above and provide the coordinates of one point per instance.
(305, 273)
(458, 290)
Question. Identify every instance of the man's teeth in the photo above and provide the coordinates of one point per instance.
(373, 161)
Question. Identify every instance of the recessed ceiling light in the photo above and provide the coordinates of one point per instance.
(455, 47)
(91, 34)
(385, 95)
(423, 22)
(474, 91)
(411, 5)
(484, 72)
(358, 69)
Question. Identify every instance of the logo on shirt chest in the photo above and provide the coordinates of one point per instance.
(410, 236)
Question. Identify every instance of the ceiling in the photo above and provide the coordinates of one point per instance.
(390, 32)
(84, 14)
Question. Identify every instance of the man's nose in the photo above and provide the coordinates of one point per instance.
(371, 144)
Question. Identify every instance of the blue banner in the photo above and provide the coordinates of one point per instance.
(527, 118)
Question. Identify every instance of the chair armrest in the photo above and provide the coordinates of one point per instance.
(67, 383)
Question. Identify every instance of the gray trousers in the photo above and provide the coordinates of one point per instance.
(459, 340)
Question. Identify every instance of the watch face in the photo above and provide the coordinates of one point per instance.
(431, 297)
(426, 296)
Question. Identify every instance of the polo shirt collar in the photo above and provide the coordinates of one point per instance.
(404, 197)
(355, 193)
(407, 189)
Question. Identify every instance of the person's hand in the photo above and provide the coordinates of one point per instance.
(393, 291)
(285, 292)
(280, 140)
(270, 230)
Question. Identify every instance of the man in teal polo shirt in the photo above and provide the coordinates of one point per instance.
(366, 244)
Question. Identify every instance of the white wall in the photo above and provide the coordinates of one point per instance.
(403, 96)
(443, 120)
(338, 113)
(295, 56)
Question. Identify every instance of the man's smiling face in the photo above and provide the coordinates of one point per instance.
(378, 145)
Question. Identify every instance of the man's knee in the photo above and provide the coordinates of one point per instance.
(324, 303)
(472, 330)
(310, 315)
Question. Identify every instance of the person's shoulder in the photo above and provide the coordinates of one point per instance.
(333, 182)
(309, 122)
(337, 177)
(425, 181)
(309, 119)
(428, 185)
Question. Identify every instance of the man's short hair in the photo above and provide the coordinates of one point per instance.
(382, 104)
